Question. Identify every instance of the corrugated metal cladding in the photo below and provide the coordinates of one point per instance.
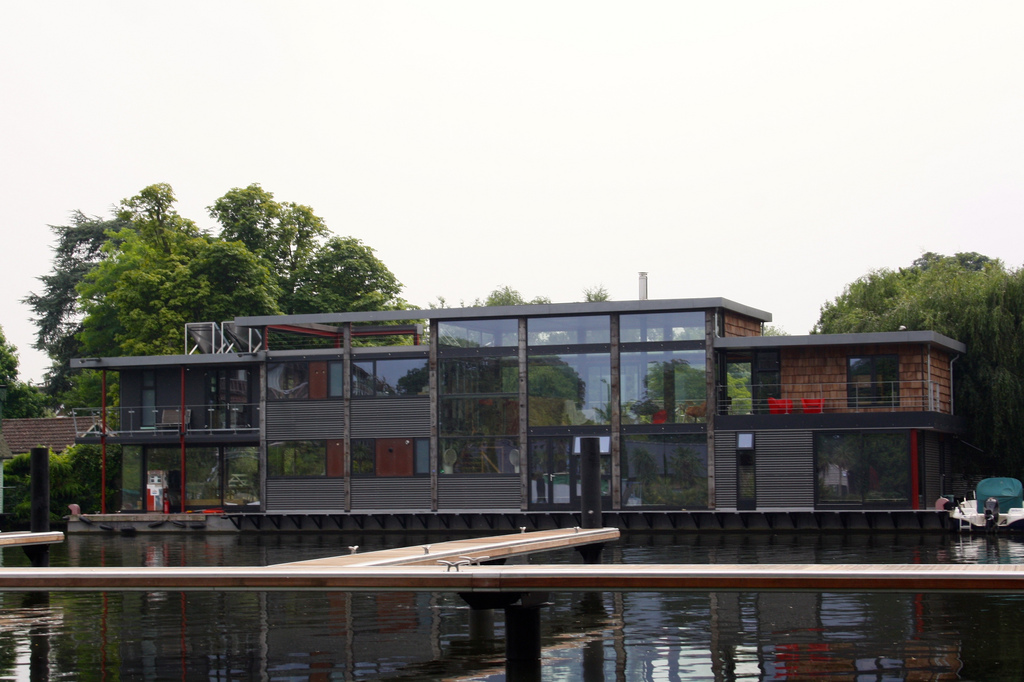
(932, 453)
(725, 470)
(391, 418)
(784, 469)
(305, 419)
(478, 492)
(391, 493)
(306, 495)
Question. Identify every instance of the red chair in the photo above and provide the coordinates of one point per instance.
(780, 406)
(813, 405)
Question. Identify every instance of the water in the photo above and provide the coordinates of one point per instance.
(423, 636)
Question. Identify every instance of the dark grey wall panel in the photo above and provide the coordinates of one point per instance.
(305, 419)
(410, 494)
(306, 495)
(391, 418)
(725, 470)
(785, 469)
(932, 485)
(478, 492)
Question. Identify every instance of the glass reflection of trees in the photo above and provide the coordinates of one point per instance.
(663, 387)
(869, 469)
(569, 390)
(665, 471)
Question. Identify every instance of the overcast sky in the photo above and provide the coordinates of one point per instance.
(766, 152)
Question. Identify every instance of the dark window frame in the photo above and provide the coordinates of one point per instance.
(878, 390)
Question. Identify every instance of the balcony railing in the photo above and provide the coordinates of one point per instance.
(834, 397)
(200, 419)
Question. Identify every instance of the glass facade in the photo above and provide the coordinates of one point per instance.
(661, 327)
(659, 387)
(478, 333)
(569, 389)
(665, 471)
(565, 331)
(225, 477)
(297, 458)
(389, 378)
(863, 469)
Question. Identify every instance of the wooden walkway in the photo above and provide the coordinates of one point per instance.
(19, 539)
(468, 551)
(530, 578)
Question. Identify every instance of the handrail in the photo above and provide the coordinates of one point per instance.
(833, 397)
(133, 420)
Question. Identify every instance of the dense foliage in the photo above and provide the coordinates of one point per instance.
(22, 400)
(973, 299)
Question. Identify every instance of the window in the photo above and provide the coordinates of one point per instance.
(863, 469)
(569, 390)
(665, 471)
(287, 380)
(388, 378)
(561, 331)
(873, 381)
(479, 333)
(651, 327)
(480, 456)
(297, 458)
(390, 456)
(663, 387)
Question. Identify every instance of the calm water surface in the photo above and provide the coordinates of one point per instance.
(414, 636)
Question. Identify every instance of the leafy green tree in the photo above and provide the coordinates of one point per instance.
(974, 299)
(74, 478)
(506, 295)
(23, 400)
(58, 319)
(344, 275)
(160, 273)
(596, 293)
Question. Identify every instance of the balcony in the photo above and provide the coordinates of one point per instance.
(835, 398)
(166, 420)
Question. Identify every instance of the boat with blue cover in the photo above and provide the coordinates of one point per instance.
(998, 504)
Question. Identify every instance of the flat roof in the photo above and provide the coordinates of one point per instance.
(817, 340)
(527, 310)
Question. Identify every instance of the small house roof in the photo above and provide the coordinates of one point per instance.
(22, 435)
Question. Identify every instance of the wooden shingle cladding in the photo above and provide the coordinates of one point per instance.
(820, 372)
(740, 325)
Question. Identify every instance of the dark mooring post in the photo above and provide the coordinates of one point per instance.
(590, 495)
(39, 514)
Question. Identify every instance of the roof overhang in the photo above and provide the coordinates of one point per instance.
(818, 340)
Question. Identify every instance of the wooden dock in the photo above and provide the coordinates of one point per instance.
(468, 551)
(20, 539)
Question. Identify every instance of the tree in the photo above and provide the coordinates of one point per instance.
(506, 295)
(160, 273)
(288, 237)
(968, 297)
(344, 275)
(23, 400)
(596, 293)
(58, 319)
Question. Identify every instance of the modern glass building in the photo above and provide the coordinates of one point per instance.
(482, 409)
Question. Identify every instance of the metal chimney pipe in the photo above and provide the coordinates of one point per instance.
(643, 286)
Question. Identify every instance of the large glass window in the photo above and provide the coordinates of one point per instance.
(563, 331)
(569, 390)
(391, 377)
(863, 469)
(202, 477)
(479, 455)
(479, 333)
(873, 381)
(479, 396)
(665, 471)
(241, 476)
(287, 380)
(651, 327)
(133, 492)
(297, 458)
(661, 387)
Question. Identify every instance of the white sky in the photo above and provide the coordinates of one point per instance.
(767, 152)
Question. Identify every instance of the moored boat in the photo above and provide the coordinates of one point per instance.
(998, 504)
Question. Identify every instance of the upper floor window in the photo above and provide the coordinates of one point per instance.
(873, 381)
(390, 377)
(479, 333)
(653, 327)
(565, 331)
(288, 380)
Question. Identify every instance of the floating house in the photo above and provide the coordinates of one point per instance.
(482, 410)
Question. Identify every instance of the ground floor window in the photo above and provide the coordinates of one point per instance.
(480, 455)
(221, 477)
(665, 470)
(863, 469)
(390, 456)
(555, 475)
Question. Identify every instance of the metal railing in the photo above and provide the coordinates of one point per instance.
(127, 421)
(834, 397)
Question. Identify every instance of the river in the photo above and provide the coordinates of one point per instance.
(424, 636)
